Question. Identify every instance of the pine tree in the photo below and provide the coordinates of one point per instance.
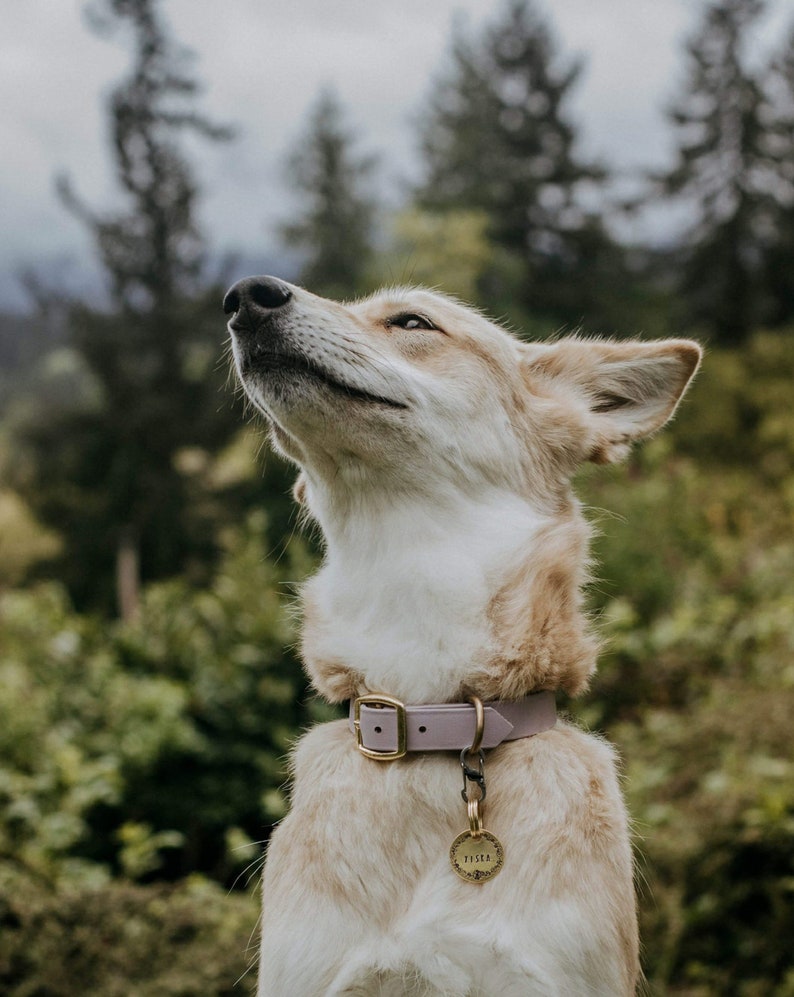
(152, 252)
(105, 472)
(779, 255)
(726, 171)
(497, 138)
(334, 227)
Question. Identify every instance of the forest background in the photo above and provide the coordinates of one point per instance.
(149, 552)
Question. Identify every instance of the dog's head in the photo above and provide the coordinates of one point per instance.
(410, 387)
(411, 410)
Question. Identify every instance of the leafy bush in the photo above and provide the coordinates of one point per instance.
(155, 748)
(122, 940)
(23, 541)
(697, 683)
(135, 754)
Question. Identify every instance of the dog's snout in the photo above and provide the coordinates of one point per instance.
(256, 294)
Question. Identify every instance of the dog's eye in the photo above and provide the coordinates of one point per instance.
(408, 320)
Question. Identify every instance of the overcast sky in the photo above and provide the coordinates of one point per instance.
(263, 63)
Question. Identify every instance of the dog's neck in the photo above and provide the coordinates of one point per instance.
(408, 599)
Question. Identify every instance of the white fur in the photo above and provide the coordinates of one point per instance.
(435, 567)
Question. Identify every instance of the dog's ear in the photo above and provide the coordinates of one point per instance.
(626, 390)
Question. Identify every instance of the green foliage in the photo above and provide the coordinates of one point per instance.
(733, 130)
(153, 252)
(779, 257)
(99, 461)
(335, 226)
(137, 753)
(497, 139)
(23, 541)
(118, 940)
(445, 250)
(99, 467)
(742, 412)
(135, 749)
(697, 682)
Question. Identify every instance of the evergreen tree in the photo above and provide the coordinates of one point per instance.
(152, 252)
(334, 226)
(497, 138)
(106, 470)
(726, 171)
(779, 256)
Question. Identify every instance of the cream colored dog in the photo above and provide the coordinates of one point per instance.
(436, 452)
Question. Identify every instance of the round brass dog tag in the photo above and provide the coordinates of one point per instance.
(476, 859)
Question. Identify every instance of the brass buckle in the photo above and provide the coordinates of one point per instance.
(402, 727)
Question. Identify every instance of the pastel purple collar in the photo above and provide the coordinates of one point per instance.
(387, 729)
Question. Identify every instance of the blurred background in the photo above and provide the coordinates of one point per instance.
(621, 169)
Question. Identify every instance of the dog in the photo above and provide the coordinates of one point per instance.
(436, 452)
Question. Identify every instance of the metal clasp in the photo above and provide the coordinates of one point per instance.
(473, 775)
(402, 726)
(469, 774)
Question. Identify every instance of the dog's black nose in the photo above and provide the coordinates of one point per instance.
(263, 293)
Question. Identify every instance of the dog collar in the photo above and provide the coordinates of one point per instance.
(386, 728)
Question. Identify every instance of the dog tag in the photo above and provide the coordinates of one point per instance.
(476, 858)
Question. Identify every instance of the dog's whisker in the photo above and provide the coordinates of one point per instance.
(257, 863)
(255, 956)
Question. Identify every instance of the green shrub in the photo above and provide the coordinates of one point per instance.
(123, 940)
(136, 754)
(156, 748)
(696, 685)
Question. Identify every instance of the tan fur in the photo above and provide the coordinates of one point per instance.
(331, 677)
(456, 559)
(537, 620)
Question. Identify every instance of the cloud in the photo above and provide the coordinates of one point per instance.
(263, 62)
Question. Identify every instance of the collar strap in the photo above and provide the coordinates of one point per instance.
(386, 729)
